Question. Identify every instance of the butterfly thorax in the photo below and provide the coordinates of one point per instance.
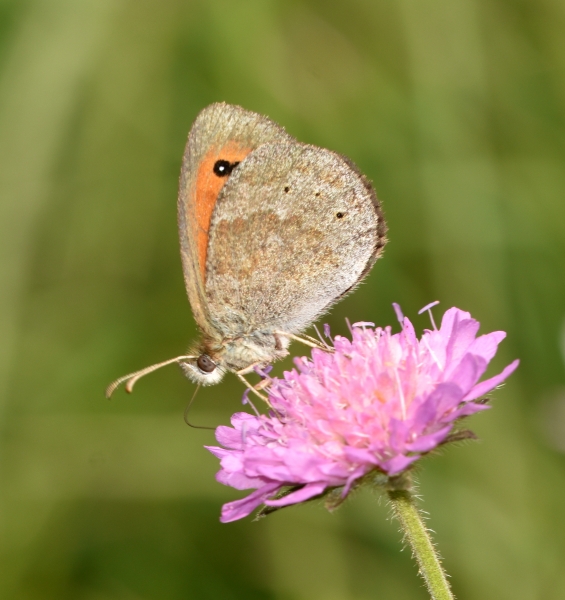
(216, 357)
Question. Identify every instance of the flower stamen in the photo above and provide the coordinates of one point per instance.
(428, 308)
(246, 400)
(432, 353)
(401, 394)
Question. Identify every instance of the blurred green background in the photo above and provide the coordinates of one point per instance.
(454, 108)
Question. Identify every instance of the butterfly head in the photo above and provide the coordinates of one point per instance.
(203, 370)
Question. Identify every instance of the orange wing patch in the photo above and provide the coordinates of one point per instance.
(208, 188)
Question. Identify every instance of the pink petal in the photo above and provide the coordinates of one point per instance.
(239, 418)
(398, 431)
(397, 464)
(308, 491)
(359, 472)
(360, 455)
(333, 472)
(232, 462)
(233, 437)
(238, 480)
(467, 373)
(229, 437)
(452, 316)
(469, 408)
(462, 336)
(487, 345)
(409, 333)
(430, 441)
(218, 452)
(232, 511)
(444, 398)
(486, 386)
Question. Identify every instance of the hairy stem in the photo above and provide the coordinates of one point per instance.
(420, 541)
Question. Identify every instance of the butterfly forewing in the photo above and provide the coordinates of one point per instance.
(220, 138)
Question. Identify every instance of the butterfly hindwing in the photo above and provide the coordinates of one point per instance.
(294, 229)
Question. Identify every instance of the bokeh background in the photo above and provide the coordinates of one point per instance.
(454, 108)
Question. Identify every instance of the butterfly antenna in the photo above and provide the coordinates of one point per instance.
(187, 409)
(132, 378)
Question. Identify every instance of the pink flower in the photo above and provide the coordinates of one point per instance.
(378, 402)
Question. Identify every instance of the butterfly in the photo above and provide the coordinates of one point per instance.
(272, 233)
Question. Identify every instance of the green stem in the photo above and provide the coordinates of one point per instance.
(422, 547)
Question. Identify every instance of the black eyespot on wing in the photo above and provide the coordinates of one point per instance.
(340, 215)
(205, 363)
(286, 189)
(223, 168)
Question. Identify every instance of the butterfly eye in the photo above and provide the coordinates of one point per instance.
(222, 168)
(340, 215)
(205, 364)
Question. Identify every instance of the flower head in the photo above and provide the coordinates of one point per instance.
(376, 402)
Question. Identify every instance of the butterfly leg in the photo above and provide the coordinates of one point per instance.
(263, 384)
(251, 369)
(253, 388)
(307, 340)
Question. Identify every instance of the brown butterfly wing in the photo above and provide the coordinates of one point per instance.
(294, 229)
(221, 132)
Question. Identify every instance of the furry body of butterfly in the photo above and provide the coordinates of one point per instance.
(272, 233)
